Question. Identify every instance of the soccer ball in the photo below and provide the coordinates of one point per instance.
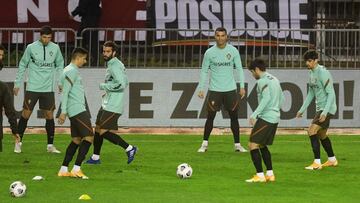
(12, 186)
(184, 170)
(17, 189)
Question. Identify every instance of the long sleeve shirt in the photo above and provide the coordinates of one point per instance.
(321, 87)
(73, 94)
(43, 64)
(221, 63)
(114, 86)
(270, 98)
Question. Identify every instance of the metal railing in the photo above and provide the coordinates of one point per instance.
(146, 47)
(174, 48)
(15, 40)
(284, 48)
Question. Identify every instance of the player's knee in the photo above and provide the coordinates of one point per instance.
(322, 136)
(113, 131)
(26, 113)
(253, 146)
(97, 129)
(76, 140)
(311, 131)
(49, 115)
(89, 139)
(102, 131)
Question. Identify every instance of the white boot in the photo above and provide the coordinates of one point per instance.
(17, 148)
(52, 149)
(239, 148)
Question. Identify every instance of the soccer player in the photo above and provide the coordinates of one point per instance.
(42, 58)
(265, 120)
(220, 61)
(73, 106)
(112, 105)
(320, 87)
(7, 103)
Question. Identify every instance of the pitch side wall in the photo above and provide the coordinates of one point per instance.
(168, 98)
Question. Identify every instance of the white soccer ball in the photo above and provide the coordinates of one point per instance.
(12, 185)
(17, 189)
(184, 170)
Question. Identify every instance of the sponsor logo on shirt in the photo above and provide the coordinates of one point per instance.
(313, 80)
(42, 64)
(221, 63)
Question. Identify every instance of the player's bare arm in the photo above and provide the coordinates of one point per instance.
(242, 93)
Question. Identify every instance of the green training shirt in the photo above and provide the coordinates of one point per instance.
(42, 62)
(220, 63)
(321, 87)
(73, 94)
(270, 99)
(115, 83)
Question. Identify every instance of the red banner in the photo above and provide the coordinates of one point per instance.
(36, 13)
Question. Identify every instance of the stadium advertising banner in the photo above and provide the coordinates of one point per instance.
(168, 98)
(233, 14)
(245, 15)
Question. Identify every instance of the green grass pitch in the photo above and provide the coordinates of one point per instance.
(218, 175)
